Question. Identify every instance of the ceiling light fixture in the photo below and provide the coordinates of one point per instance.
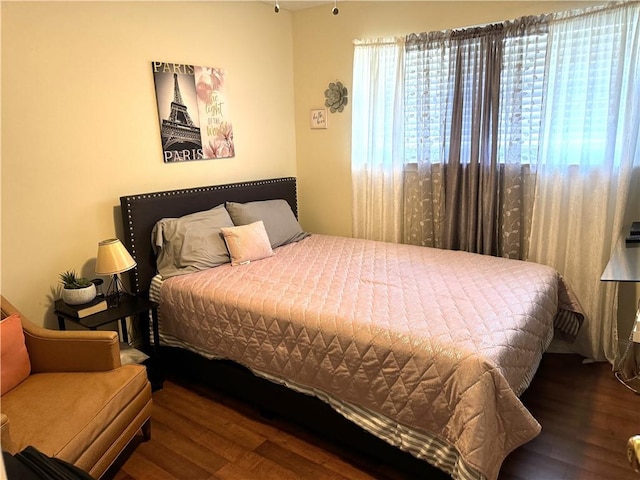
(276, 8)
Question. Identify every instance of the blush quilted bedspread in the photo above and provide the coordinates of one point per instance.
(439, 341)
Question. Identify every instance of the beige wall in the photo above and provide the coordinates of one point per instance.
(80, 125)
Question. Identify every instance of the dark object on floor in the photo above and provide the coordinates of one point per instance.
(32, 464)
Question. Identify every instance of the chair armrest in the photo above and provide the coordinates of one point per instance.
(5, 435)
(70, 351)
(66, 351)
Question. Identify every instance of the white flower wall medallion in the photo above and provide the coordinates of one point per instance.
(336, 97)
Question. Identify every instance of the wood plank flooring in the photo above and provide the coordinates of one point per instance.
(586, 417)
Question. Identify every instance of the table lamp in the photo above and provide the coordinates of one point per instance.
(112, 259)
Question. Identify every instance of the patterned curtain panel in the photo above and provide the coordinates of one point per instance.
(425, 196)
(470, 172)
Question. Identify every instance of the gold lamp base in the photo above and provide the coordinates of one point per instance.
(633, 452)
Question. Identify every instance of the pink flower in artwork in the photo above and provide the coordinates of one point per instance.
(208, 80)
(209, 150)
(221, 145)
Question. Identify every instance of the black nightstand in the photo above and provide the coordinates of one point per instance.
(128, 306)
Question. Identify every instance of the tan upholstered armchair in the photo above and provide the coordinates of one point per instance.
(78, 403)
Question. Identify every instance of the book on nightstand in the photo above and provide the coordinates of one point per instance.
(98, 304)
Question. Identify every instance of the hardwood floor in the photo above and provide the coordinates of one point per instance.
(586, 417)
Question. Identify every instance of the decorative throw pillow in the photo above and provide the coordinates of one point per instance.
(14, 362)
(247, 243)
(279, 221)
(190, 243)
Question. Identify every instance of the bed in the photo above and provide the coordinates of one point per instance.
(425, 349)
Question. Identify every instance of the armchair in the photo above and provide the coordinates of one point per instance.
(78, 403)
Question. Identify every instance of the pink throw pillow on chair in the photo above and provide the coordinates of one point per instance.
(14, 360)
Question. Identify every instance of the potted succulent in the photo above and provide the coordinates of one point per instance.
(76, 290)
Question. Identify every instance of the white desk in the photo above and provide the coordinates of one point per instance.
(624, 266)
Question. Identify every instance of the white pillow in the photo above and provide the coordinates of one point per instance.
(247, 243)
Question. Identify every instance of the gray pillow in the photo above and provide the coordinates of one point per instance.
(191, 243)
(279, 221)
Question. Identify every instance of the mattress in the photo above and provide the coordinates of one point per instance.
(426, 348)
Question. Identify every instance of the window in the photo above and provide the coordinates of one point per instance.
(431, 90)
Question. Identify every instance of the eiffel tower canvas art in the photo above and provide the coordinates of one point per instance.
(193, 111)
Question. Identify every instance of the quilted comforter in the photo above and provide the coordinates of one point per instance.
(437, 342)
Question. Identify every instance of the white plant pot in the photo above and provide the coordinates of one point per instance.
(78, 296)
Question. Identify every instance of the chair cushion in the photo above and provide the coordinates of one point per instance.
(62, 414)
(14, 362)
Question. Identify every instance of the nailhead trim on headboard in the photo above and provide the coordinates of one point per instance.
(130, 203)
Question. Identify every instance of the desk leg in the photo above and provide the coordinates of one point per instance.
(61, 324)
(628, 375)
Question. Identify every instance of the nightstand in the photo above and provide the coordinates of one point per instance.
(128, 306)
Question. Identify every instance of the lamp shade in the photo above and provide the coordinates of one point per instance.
(113, 258)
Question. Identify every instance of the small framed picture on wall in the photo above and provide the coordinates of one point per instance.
(318, 118)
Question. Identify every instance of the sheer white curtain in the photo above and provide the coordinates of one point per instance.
(589, 146)
(377, 152)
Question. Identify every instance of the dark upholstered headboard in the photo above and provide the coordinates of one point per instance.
(141, 212)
